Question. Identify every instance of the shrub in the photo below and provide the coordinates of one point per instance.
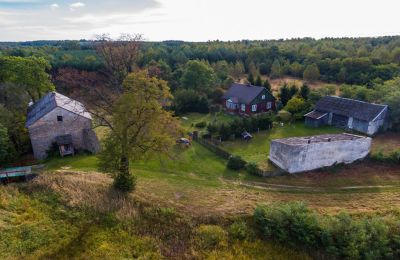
(393, 157)
(292, 224)
(341, 236)
(201, 124)
(236, 163)
(239, 231)
(210, 237)
(284, 115)
(252, 168)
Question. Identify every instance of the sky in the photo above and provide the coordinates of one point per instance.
(197, 20)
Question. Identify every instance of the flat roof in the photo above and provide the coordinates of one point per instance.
(318, 139)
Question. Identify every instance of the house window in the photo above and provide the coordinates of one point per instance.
(243, 107)
(263, 97)
(59, 118)
(254, 108)
(269, 105)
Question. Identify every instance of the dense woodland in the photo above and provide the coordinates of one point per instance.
(198, 73)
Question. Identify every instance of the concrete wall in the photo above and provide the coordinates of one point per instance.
(305, 157)
(44, 132)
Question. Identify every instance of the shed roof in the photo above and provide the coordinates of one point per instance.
(50, 102)
(243, 93)
(350, 107)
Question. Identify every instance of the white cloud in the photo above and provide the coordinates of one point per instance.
(76, 5)
(54, 6)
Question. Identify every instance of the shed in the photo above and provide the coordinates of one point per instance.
(364, 117)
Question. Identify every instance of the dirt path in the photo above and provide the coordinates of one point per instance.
(284, 187)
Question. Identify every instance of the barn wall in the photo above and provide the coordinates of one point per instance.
(44, 131)
(300, 158)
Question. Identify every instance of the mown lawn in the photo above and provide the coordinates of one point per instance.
(257, 150)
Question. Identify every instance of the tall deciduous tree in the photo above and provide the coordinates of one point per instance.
(276, 69)
(198, 75)
(29, 74)
(311, 73)
(140, 127)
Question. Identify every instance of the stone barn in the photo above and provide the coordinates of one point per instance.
(57, 119)
(348, 113)
(299, 154)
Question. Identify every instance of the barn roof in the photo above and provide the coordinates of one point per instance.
(243, 93)
(49, 102)
(350, 107)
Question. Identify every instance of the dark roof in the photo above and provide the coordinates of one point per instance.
(243, 93)
(349, 107)
(316, 114)
(64, 139)
(50, 102)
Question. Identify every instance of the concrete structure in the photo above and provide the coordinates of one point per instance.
(348, 113)
(58, 119)
(299, 154)
(247, 99)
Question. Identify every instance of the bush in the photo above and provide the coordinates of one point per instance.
(201, 124)
(393, 157)
(293, 224)
(210, 237)
(284, 115)
(252, 168)
(236, 163)
(239, 231)
(341, 236)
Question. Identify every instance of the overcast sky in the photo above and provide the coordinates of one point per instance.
(197, 20)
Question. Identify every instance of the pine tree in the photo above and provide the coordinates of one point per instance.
(304, 91)
(267, 85)
(250, 79)
(284, 94)
(258, 81)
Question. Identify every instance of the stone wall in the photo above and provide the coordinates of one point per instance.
(44, 131)
(310, 156)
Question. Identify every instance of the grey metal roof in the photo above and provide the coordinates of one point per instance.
(50, 102)
(243, 93)
(350, 107)
(316, 114)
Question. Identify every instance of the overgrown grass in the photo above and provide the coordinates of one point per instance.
(70, 216)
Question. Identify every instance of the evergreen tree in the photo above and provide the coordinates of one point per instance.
(267, 85)
(258, 81)
(304, 91)
(284, 94)
(293, 91)
(250, 79)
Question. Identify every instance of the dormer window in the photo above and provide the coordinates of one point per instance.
(263, 97)
(59, 118)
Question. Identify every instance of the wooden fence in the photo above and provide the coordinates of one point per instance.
(213, 148)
